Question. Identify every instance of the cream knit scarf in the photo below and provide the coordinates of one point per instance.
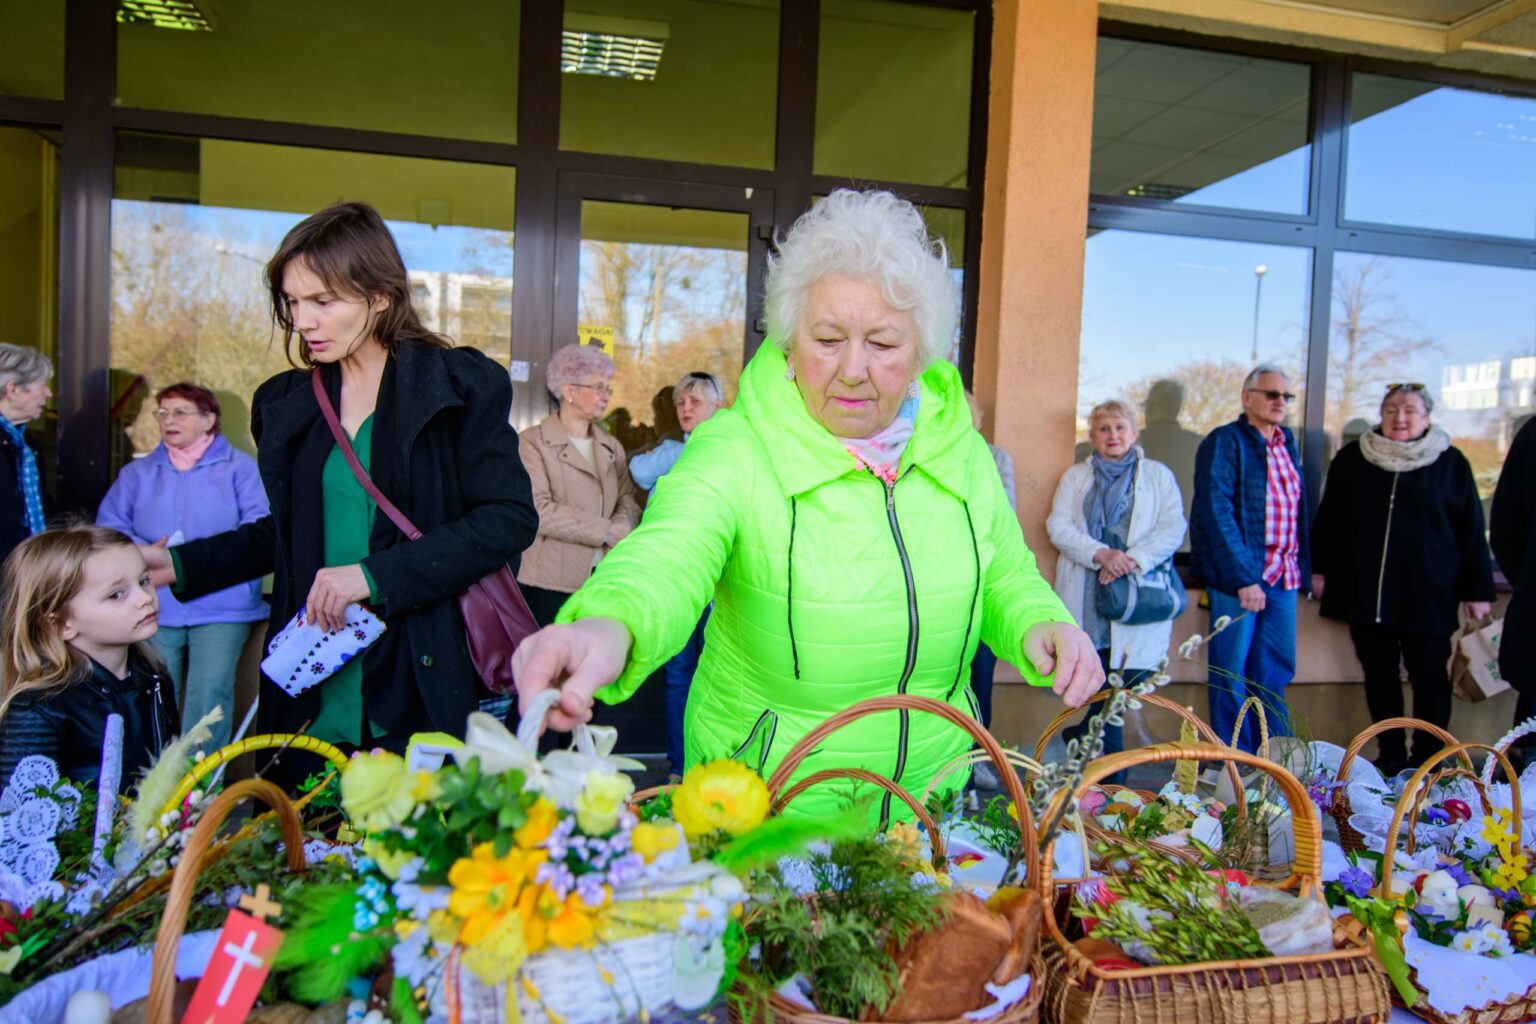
(1403, 456)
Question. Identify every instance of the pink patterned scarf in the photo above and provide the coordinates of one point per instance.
(184, 459)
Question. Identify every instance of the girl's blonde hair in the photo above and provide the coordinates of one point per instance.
(41, 577)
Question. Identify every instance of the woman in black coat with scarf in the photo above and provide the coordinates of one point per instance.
(430, 424)
(1397, 543)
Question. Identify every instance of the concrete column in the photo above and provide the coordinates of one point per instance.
(1034, 225)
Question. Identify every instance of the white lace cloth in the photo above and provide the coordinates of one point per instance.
(1371, 811)
(123, 976)
(1455, 981)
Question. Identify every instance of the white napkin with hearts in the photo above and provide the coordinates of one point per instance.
(303, 654)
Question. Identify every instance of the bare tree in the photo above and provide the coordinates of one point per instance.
(1372, 340)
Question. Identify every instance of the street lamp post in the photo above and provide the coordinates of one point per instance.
(1258, 290)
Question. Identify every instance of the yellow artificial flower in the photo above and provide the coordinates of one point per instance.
(376, 790)
(500, 952)
(602, 797)
(542, 818)
(425, 788)
(720, 795)
(1496, 827)
(443, 927)
(486, 888)
(571, 921)
(905, 841)
(390, 862)
(650, 841)
(1511, 872)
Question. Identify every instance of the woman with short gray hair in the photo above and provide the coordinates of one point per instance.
(580, 479)
(24, 392)
(845, 519)
(1398, 543)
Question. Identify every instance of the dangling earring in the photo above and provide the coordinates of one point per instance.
(912, 390)
(789, 373)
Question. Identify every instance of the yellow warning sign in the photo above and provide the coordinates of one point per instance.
(596, 335)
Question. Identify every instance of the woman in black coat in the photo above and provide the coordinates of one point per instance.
(429, 423)
(1512, 533)
(1399, 542)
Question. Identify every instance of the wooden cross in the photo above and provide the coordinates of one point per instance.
(259, 905)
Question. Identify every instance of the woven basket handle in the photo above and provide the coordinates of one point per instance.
(1416, 786)
(1260, 716)
(162, 981)
(1010, 778)
(1387, 725)
(1422, 794)
(1519, 732)
(1306, 870)
(1157, 700)
(275, 741)
(935, 839)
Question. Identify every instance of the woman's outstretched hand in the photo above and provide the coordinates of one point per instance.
(577, 659)
(1062, 648)
(157, 559)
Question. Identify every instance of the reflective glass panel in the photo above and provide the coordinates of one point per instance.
(1172, 325)
(387, 65)
(1193, 126)
(893, 92)
(32, 48)
(1467, 332)
(29, 263)
(194, 221)
(664, 290)
(692, 80)
(1429, 156)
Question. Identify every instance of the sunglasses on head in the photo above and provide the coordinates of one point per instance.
(1275, 396)
(1405, 386)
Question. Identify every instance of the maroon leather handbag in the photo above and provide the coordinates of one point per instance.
(496, 615)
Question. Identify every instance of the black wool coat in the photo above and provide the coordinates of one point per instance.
(1403, 560)
(444, 452)
(13, 506)
(1513, 536)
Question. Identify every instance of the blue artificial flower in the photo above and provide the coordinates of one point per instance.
(1356, 881)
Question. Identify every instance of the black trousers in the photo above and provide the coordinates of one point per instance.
(1383, 651)
(545, 604)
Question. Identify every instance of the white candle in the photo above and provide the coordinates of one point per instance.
(88, 1008)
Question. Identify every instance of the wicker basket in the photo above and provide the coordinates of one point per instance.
(1026, 1010)
(1519, 1010)
(1349, 837)
(1346, 985)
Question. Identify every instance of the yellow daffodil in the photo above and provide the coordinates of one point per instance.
(542, 818)
(601, 799)
(376, 790)
(1511, 872)
(570, 922)
(486, 888)
(720, 795)
(650, 841)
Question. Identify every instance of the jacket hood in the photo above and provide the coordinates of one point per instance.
(807, 455)
(219, 451)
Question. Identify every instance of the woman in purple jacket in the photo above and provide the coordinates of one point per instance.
(194, 484)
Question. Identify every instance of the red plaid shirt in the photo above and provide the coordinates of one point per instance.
(1282, 512)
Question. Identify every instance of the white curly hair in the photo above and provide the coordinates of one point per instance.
(873, 236)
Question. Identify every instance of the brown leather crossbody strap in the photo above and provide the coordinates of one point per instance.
(329, 412)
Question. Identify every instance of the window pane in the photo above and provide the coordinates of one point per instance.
(32, 48)
(1194, 126)
(29, 262)
(893, 92)
(948, 224)
(194, 221)
(1428, 156)
(1172, 325)
(668, 286)
(1468, 332)
(388, 65)
(672, 80)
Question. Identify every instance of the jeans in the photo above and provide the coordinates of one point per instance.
(678, 674)
(206, 656)
(1254, 656)
(1383, 653)
(983, 668)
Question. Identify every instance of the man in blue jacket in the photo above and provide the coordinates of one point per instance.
(1248, 541)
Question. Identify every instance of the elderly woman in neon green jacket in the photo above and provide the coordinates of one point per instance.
(845, 519)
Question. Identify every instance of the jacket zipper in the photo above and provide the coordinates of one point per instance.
(1386, 537)
(154, 717)
(906, 673)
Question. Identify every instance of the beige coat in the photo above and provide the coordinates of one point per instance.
(576, 507)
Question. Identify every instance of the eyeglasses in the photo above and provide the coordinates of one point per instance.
(1275, 396)
(602, 389)
(1405, 386)
(177, 414)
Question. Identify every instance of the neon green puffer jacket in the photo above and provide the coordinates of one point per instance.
(828, 586)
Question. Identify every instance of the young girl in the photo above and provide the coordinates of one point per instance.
(77, 614)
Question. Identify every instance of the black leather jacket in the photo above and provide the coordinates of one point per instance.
(68, 725)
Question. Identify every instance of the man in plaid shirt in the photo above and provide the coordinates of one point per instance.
(1248, 542)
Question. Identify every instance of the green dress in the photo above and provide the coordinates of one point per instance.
(348, 517)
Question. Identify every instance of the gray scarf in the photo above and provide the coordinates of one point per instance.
(1403, 456)
(1110, 496)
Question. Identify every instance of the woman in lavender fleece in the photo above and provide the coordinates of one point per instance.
(194, 484)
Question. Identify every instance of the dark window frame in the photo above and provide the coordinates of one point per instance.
(1323, 230)
(89, 119)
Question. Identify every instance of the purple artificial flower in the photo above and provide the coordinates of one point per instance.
(558, 877)
(559, 838)
(1437, 816)
(1458, 872)
(625, 869)
(1510, 895)
(1356, 881)
(590, 889)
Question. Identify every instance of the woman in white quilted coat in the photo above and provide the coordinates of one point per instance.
(1114, 513)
